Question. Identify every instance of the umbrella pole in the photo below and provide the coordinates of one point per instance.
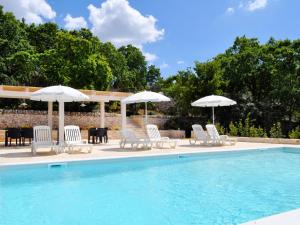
(61, 123)
(146, 114)
(213, 115)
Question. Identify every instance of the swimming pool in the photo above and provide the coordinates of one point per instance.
(216, 188)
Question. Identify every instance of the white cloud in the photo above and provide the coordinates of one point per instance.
(74, 23)
(164, 66)
(150, 57)
(230, 10)
(33, 11)
(118, 22)
(180, 62)
(256, 4)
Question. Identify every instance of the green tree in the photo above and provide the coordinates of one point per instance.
(13, 37)
(118, 65)
(42, 37)
(24, 68)
(182, 88)
(153, 78)
(137, 67)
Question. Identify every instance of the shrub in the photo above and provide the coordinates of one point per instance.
(253, 132)
(233, 130)
(295, 133)
(261, 132)
(257, 132)
(241, 129)
(275, 131)
(248, 126)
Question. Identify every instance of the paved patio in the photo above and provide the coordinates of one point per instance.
(22, 155)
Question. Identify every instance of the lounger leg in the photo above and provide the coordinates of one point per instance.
(162, 145)
(122, 144)
(33, 150)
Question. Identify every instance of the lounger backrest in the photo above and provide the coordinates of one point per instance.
(128, 134)
(153, 132)
(72, 134)
(199, 133)
(42, 135)
(213, 132)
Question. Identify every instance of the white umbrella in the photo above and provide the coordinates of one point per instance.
(146, 96)
(213, 101)
(61, 94)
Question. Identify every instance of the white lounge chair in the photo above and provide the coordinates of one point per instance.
(217, 139)
(200, 135)
(42, 138)
(155, 137)
(129, 137)
(73, 139)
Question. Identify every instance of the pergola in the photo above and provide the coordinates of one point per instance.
(24, 92)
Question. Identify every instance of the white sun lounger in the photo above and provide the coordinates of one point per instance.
(42, 138)
(154, 136)
(73, 139)
(200, 135)
(128, 137)
(217, 139)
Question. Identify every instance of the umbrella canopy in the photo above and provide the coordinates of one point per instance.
(61, 94)
(146, 96)
(213, 101)
(58, 93)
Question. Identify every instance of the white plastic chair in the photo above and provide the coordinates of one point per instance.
(155, 137)
(216, 138)
(129, 137)
(42, 138)
(200, 135)
(73, 139)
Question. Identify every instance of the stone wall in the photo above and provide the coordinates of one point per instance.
(177, 134)
(157, 120)
(30, 118)
(172, 133)
(269, 140)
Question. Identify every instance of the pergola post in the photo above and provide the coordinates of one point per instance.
(123, 115)
(102, 114)
(50, 111)
(61, 122)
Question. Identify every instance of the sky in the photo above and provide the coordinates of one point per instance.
(172, 34)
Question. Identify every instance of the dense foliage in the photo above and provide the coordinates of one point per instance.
(263, 78)
(43, 55)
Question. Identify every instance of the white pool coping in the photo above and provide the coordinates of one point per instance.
(133, 157)
(65, 157)
(286, 218)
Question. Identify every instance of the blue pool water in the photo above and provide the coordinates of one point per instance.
(223, 188)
